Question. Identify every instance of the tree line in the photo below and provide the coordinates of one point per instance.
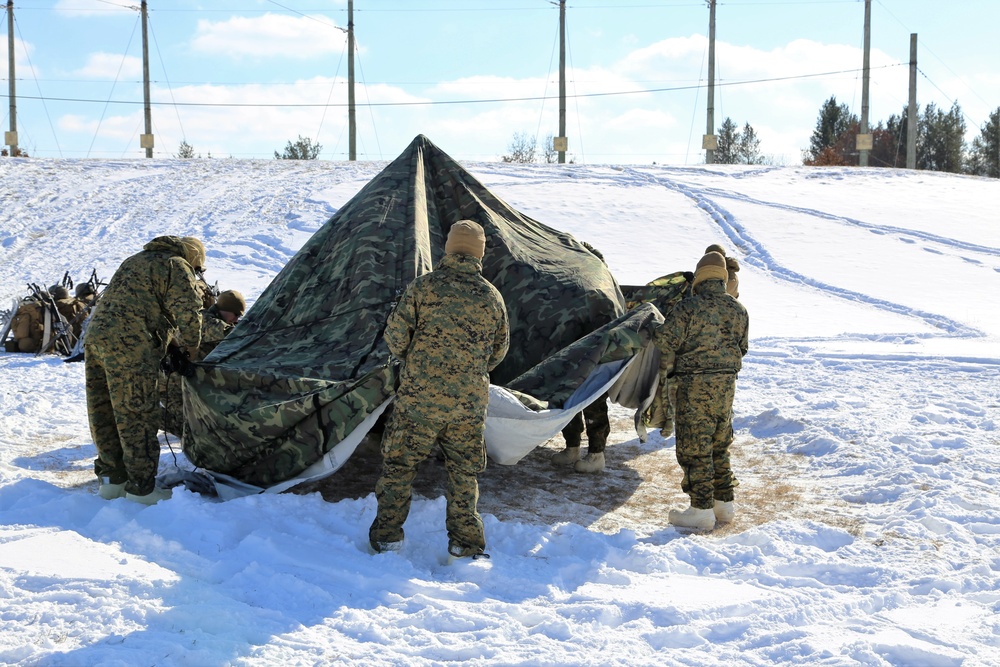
(941, 144)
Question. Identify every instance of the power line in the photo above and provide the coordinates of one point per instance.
(492, 100)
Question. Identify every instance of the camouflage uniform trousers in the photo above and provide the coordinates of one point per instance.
(598, 427)
(406, 443)
(704, 434)
(123, 409)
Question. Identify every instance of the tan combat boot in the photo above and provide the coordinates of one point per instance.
(724, 511)
(151, 498)
(591, 463)
(566, 457)
(693, 517)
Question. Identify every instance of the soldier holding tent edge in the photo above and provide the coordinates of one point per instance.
(152, 293)
(708, 333)
(450, 329)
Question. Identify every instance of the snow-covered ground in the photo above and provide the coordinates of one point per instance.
(873, 374)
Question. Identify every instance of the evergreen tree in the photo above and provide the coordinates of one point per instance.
(185, 150)
(749, 148)
(941, 140)
(303, 149)
(727, 150)
(889, 142)
(737, 146)
(984, 158)
(827, 141)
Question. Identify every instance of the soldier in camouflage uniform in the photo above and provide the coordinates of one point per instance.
(150, 295)
(732, 268)
(667, 400)
(593, 419)
(216, 322)
(708, 333)
(449, 330)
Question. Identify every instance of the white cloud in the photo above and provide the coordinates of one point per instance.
(270, 35)
(111, 66)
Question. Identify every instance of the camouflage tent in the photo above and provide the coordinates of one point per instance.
(305, 374)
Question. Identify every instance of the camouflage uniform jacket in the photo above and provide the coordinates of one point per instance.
(213, 330)
(151, 293)
(708, 331)
(450, 330)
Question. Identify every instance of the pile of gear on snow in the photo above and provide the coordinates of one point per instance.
(53, 320)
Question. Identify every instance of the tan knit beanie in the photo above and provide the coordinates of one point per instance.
(711, 267)
(467, 238)
(715, 247)
(232, 301)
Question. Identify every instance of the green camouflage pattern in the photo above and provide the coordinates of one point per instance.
(704, 435)
(664, 292)
(708, 332)
(151, 297)
(151, 293)
(594, 420)
(308, 362)
(557, 377)
(123, 411)
(213, 330)
(405, 444)
(449, 330)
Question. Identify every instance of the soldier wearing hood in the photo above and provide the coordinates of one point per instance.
(152, 294)
(450, 330)
(708, 334)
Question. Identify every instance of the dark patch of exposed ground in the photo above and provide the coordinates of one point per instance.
(640, 483)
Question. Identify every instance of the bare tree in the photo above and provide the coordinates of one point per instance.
(551, 155)
(521, 149)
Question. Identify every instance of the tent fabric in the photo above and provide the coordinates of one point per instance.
(307, 366)
(572, 378)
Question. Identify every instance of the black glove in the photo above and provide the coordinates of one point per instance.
(178, 361)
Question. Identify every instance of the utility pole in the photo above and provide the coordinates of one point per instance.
(864, 141)
(561, 143)
(710, 142)
(352, 123)
(11, 137)
(146, 140)
(911, 109)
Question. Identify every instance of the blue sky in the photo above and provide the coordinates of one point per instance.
(240, 78)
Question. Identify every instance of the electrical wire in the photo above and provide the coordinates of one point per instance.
(169, 87)
(108, 102)
(492, 100)
(371, 113)
(576, 99)
(31, 66)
